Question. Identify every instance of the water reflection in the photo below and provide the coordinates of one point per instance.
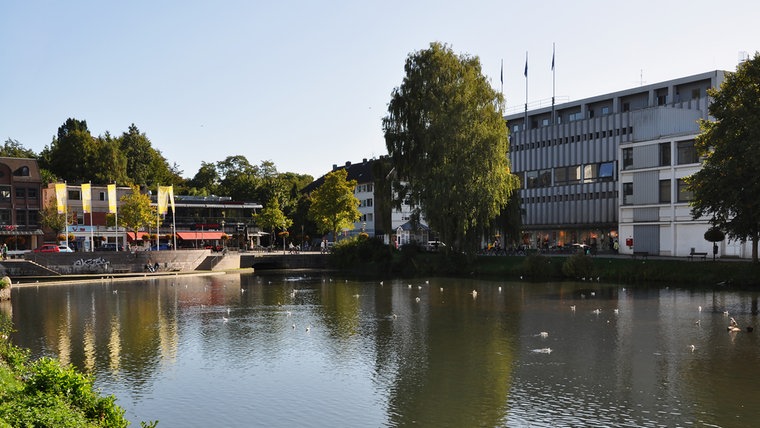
(314, 350)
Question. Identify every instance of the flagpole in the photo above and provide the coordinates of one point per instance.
(553, 86)
(158, 217)
(92, 233)
(116, 219)
(526, 90)
(66, 213)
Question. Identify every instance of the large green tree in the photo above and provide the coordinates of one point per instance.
(447, 139)
(726, 187)
(68, 154)
(333, 204)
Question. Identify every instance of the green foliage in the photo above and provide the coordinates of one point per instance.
(369, 255)
(730, 145)
(271, 217)
(44, 393)
(537, 267)
(447, 140)
(714, 234)
(333, 204)
(578, 266)
(50, 218)
(14, 149)
(135, 211)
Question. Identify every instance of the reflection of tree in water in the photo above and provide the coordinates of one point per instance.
(451, 369)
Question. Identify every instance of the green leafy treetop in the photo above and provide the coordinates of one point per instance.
(447, 139)
(726, 186)
(333, 204)
(135, 211)
(271, 217)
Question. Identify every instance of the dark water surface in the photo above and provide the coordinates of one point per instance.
(310, 350)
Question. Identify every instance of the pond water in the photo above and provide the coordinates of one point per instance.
(313, 350)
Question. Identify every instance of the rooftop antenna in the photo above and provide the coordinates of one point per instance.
(641, 77)
(743, 56)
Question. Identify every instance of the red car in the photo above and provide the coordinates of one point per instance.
(47, 248)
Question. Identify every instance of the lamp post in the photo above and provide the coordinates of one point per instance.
(223, 233)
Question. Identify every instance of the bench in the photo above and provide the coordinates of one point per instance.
(644, 254)
(693, 254)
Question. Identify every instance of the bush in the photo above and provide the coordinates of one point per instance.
(44, 393)
(537, 267)
(578, 266)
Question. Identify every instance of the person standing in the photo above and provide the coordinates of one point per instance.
(5, 251)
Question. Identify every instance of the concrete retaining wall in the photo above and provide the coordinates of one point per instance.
(119, 262)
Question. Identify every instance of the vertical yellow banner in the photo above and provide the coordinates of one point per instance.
(86, 198)
(171, 197)
(61, 197)
(162, 199)
(112, 198)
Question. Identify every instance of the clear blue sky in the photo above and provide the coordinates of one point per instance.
(306, 83)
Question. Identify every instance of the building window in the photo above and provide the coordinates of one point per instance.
(605, 111)
(589, 173)
(665, 154)
(627, 193)
(665, 191)
(627, 157)
(33, 218)
(545, 178)
(531, 179)
(684, 194)
(22, 172)
(31, 193)
(102, 196)
(607, 171)
(626, 107)
(74, 195)
(20, 192)
(5, 193)
(661, 100)
(687, 152)
(544, 122)
(695, 93)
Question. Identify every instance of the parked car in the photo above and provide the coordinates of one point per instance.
(109, 246)
(434, 245)
(162, 247)
(47, 248)
(64, 249)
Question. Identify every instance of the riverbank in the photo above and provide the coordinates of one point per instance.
(368, 259)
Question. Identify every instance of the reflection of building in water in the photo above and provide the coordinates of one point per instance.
(64, 335)
(114, 346)
(89, 347)
(167, 330)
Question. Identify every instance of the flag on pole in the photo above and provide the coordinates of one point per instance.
(165, 196)
(501, 75)
(60, 196)
(111, 198)
(552, 58)
(526, 64)
(86, 198)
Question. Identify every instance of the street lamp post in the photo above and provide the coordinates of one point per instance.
(223, 233)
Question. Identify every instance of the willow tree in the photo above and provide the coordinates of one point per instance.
(447, 139)
(726, 187)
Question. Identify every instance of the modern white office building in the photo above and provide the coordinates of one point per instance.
(612, 167)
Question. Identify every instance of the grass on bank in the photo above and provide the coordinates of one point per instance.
(373, 257)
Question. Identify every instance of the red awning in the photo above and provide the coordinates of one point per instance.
(198, 235)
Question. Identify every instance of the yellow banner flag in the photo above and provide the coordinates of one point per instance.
(112, 198)
(162, 199)
(60, 196)
(171, 197)
(86, 198)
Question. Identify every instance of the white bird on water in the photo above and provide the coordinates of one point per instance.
(693, 348)
(544, 334)
(572, 308)
(417, 299)
(474, 294)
